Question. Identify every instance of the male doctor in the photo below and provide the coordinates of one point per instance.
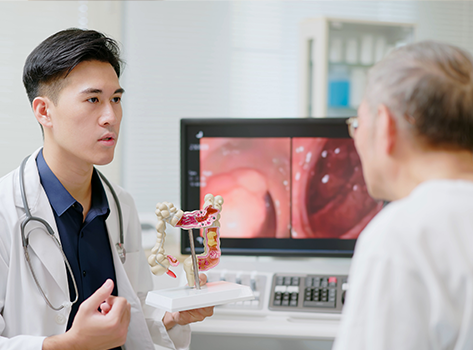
(411, 279)
(71, 79)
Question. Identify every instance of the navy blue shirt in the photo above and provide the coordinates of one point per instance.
(85, 242)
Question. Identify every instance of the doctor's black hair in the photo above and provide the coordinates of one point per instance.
(50, 62)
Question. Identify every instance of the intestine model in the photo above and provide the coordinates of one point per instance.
(206, 219)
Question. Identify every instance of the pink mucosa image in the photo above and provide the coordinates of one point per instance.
(286, 188)
(329, 194)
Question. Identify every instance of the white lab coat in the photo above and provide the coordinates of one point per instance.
(25, 318)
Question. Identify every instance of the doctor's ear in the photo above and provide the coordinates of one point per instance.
(41, 111)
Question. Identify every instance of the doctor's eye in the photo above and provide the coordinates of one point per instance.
(116, 99)
(93, 100)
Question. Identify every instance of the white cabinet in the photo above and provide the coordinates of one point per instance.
(335, 55)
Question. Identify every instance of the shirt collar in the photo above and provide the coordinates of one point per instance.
(61, 200)
(99, 198)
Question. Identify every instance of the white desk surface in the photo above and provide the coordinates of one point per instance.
(323, 327)
(265, 322)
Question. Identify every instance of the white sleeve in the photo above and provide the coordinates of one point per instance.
(386, 308)
(24, 342)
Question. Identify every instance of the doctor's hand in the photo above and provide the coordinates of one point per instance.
(189, 316)
(93, 329)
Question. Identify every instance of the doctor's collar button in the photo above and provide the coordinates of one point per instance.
(84, 273)
(60, 319)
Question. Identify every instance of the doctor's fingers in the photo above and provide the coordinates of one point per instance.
(119, 308)
(202, 278)
(196, 315)
(105, 308)
(92, 303)
(206, 311)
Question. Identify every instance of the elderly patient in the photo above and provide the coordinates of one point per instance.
(411, 279)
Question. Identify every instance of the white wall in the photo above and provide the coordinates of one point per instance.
(188, 59)
(23, 25)
(231, 59)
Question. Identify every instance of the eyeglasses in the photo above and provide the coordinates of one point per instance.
(352, 126)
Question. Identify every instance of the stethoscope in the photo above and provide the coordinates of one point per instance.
(25, 239)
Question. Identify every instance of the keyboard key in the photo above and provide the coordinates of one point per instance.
(280, 289)
(332, 279)
(328, 304)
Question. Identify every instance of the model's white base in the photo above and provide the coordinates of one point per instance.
(187, 298)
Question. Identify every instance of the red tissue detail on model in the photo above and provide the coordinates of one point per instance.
(211, 256)
(209, 212)
(172, 260)
(170, 273)
(198, 218)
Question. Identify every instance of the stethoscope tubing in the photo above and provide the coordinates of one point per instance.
(25, 238)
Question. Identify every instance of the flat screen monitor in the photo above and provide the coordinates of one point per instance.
(291, 187)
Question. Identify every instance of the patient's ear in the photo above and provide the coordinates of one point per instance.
(387, 129)
(41, 111)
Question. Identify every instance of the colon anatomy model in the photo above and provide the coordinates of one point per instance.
(206, 219)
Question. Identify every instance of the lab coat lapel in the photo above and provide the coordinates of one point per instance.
(112, 222)
(138, 334)
(41, 244)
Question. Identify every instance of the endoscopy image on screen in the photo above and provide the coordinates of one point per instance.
(286, 187)
(253, 177)
(329, 195)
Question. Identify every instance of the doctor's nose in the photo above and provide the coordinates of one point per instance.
(111, 115)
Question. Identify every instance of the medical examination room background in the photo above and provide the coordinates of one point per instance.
(192, 59)
(189, 59)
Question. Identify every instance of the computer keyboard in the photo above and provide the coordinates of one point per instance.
(308, 293)
(287, 292)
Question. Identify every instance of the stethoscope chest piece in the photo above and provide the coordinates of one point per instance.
(121, 252)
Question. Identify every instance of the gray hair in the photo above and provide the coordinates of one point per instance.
(430, 85)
